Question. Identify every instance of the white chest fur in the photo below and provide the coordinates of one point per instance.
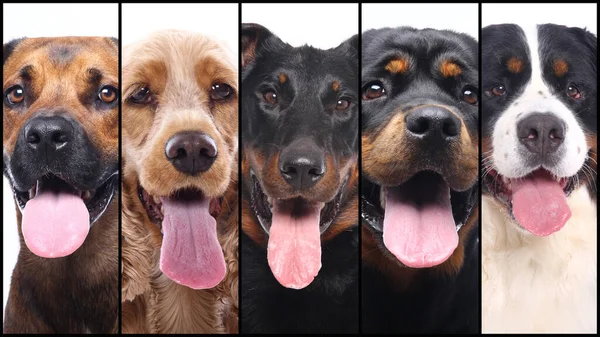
(539, 284)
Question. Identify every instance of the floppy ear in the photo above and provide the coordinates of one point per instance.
(253, 38)
(9, 47)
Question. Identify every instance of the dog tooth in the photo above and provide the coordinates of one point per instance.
(382, 197)
(156, 199)
(86, 195)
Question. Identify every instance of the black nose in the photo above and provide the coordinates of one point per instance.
(48, 135)
(432, 122)
(191, 152)
(541, 133)
(301, 168)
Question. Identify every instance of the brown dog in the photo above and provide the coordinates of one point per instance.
(180, 136)
(61, 157)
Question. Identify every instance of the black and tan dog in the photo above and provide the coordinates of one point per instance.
(61, 156)
(299, 185)
(419, 181)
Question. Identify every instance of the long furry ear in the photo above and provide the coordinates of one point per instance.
(9, 47)
(253, 38)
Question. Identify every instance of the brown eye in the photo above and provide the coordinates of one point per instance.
(499, 90)
(573, 92)
(108, 94)
(342, 104)
(470, 95)
(15, 95)
(220, 91)
(141, 96)
(270, 96)
(373, 90)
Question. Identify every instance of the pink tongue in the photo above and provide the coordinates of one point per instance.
(294, 250)
(420, 236)
(539, 204)
(191, 254)
(55, 224)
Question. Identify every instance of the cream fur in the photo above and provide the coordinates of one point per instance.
(539, 284)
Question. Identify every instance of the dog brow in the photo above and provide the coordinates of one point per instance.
(95, 75)
(26, 72)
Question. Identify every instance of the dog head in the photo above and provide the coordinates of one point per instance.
(539, 120)
(180, 143)
(419, 142)
(60, 136)
(299, 136)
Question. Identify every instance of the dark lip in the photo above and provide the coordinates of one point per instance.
(262, 208)
(96, 205)
(372, 213)
(153, 209)
(494, 185)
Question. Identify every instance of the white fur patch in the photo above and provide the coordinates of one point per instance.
(539, 284)
(537, 98)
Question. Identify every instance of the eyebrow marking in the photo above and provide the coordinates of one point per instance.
(560, 68)
(450, 69)
(514, 65)
(26, 72)
(282, 78)
(397, 66)
(335, 86)
(94, 75)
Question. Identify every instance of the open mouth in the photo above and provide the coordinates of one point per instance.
(155, 208)
(96, 201)
(538, 201)
(190, 253)
(419, 219)
(57, 216)
(294, 227)
(297, 207)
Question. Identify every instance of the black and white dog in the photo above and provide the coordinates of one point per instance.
(539, 124)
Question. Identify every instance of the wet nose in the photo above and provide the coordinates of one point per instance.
(541, 133)
(433, 123)
(191, 152)
(48, 135)
(302, 168)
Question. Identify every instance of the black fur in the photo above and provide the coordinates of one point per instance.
(9, 47)
(306, 110)
(433, 303)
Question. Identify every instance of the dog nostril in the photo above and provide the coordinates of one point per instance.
(59, 138)
(533, 134)
(181, 153)
(419, 126)
(33, 138)
(315, 172)
(450, 129)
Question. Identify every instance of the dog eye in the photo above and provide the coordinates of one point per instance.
(14, 95)
(573, 92)
(499, 90)
(141, 96)
(470, 95)
(108, 94)
(270, 96)
(342, 104)
(220, 91)
(373, 90)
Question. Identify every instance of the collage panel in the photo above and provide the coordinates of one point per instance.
(539, 169)
(61, 168)
(299, 143)
(180, 168)
(420, 168)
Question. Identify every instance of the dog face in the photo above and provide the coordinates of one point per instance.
(180, 142)
(299, 133)
(539, 120)
(60, 135)
(419, 141)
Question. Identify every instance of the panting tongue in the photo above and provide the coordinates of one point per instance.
(539, 203)
(294, 249)
(55, 224)
(418, 226)
(191, 254)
